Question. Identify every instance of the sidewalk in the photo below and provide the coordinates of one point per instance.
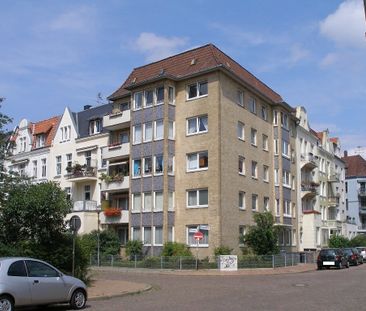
(103, 289)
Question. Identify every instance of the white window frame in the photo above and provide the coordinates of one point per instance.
(135, 141)
(275, 117)
(156, 209)
(155, 166)
(171, 200)
(171, 132)
(133, 168)
(58, 165)
(241, 161)
(156, 127)
(241, 197)
(264, 113)
(287, 208)
(266, 173)
(135, 108)
(276, 176)
(35, 168)
(154, 236)
(266, 204)
(133, 209)
(197, 198)
(145, 98)
(190, 230)
(44, 168)
(197, 121)
(144, 207)
(197, 84)
(253, 105)
(240, 126)
(171, 88)
(144, 173)
(143, 235)
(254, 202)
(197, 161)
(265, 142)
(240, 98)
(286, 149)
(286, 179)
(147, 139)
(254, 169)
(253, 137)
(156, 95)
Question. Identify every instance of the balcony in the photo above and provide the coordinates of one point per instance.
(80, 173)
(84, 206)
(362, 192)
(309, 190)
(116, 151)
(122, 183)
(333, 201)
(309, 161)
(123, 218)
(333, 177)
(117, 120)
(332, 223)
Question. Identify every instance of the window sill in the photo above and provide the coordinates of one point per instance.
(242, 174)
(254, 145)
(241, 139)
(199, 245)
(135, 212)
(242, 209)
(254, 177)
(135, 177)
(197, 207)
(198, 133)
(197, 97)
(197, 170)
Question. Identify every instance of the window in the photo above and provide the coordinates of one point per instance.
(241, 200)
(170, 234)
(252, 105)
(147, 235)
(171, 164)
(65, 133)
(284, 120)
(197, 198)
(254, 169)
(197, 125)
(23, 144)
(197, 161)
(87, 193)
(158, 201)
(192, 229)
(147, 202)
(287, 208)
(147, 166)
(171, 95)
(136, 202)
(241, 165)
(40, 270)
(158, 164)
(242, 232)
(275, 146)
(87, 156)
(40, 140)
(197, 90)
(149, 98)
(264, 114)
(158, 235)
(285, 149)
(148, 131)
(44, 167)
(171, 134)
(17, 269)
(275, 117)
(276, 177)
(240, 99)
(277, 207)
(137, 100)
(135, 234)
(240, 131)
(159, 129)
(266, 204)
(68, 192)
(69, 160)
(35, 168)
(265, 142)
(171, 200)
(95, 126)
(124, 106)
(286, 178)
(254, 202)
(265, 173)
(253, 137)
(136, 167)
(160, 95)
(137, 134)
(58, 165)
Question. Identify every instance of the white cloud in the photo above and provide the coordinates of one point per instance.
(79, 20)
(346, 26)
(297, 54)
(157, 47)
(329, 59)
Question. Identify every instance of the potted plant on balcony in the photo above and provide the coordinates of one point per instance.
(112, 212)
(107, 178)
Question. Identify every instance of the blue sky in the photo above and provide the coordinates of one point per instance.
(63, 53)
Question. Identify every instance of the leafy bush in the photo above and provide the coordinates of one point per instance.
(176, 249)
(134, 248)
(359, 240)
(222, 250)
(109, 243)
(338, 241)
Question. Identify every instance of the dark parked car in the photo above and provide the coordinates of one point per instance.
(362, 251)
(28, 281)
(332, 257)
(353, 256)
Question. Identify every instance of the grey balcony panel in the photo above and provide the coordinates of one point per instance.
(158, 218)
(136, 117)
(159, 112)
(171, 112)
(135, 219)
(84, 206)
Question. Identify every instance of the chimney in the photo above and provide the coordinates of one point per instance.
(86, 107)
(345, 153)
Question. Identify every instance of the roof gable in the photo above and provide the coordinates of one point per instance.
(355, 166)
(46, 127)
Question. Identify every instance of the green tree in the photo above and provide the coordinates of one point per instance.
(222, 250)
(134, 248)
(176, 249)
(108, 242)
(262, 238)
(358, 240)
(338, 241)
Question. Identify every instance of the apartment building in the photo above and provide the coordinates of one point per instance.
(211, 145)
(320, 171)
(356, 192)
(30, 148)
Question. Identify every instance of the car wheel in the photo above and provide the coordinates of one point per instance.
(78, 299)
(6, 303)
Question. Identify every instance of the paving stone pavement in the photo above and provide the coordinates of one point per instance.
(103, 288)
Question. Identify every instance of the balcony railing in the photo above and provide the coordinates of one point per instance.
(334, 177)
(309, 190)
(84, 206)
(79, 171)
(116, 185)
(117, 120)
(333, 201)
(362, 210)
(362, 192)
(116, 150)
(122, 218)
(332, 223)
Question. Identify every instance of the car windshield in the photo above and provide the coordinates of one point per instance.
(327, 252)
(347, 251)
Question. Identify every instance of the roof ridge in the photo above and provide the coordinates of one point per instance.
(44, 120)
(175, 55)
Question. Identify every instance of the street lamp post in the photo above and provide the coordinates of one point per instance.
(98, 235)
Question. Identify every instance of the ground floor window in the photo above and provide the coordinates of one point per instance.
(192, 229)
(123, 235)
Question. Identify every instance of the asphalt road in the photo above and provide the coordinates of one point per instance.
(316, 290)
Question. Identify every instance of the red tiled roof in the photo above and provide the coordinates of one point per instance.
(205, 58)
(47, 127)
(334, 140)
(355, 166)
